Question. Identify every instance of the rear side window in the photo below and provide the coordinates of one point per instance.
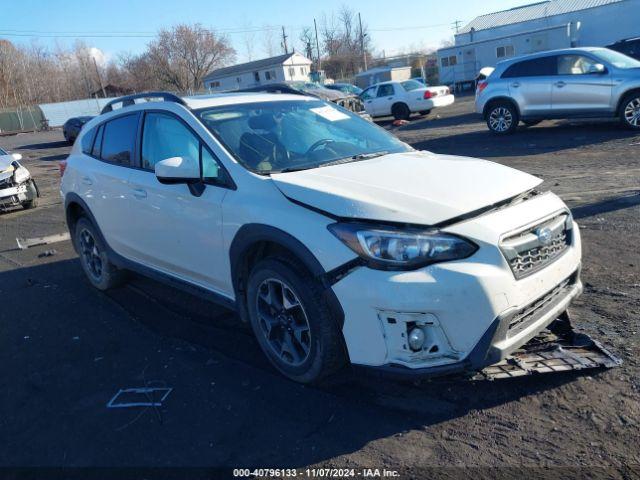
(97, 145)
(537, 67)
(87, 141)
(385, 90)
(119, 138)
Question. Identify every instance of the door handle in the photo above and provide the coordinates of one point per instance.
(87, 181)
(515, 84)
(139, 193)
(389, 98)
(560, 84)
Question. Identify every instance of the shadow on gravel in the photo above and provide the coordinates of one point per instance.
(70, 347)
(532, 141)
(43, 146)
(431, 121)
(53, 158)
(606, 206)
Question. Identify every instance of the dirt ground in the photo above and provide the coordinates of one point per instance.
(66, 349)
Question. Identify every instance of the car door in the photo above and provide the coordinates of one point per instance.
(529, 84)
(174, 230)
(368, 96)
(385, 98)
(579, 89)
(104, 181)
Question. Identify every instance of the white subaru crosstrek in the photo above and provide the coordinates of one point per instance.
(336, 241)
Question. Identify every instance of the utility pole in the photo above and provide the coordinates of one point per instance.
(315, 25)
(95, 64)
(284, 41)
(364, 54)
(456, 25)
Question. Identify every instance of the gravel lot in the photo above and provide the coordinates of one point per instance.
(66, 348)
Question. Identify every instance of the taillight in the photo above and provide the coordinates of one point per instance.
(429, 94)
(63, 166)
(481, 86)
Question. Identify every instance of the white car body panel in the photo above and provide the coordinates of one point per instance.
(189, 237)
(369, 189)
(414, 99)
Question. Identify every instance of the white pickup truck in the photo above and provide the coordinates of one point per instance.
(401, 99)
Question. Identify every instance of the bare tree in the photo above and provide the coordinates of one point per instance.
(183, 55)
(249, 40)
(342, 44)
(269, 41)
(307, 39)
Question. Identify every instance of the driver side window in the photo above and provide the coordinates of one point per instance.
(164, 136)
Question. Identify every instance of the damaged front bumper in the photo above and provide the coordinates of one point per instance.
(558, 348)
(12, 195)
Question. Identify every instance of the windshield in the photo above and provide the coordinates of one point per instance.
(277, 136)
(617, 59)
(411, 85)
(2, 152)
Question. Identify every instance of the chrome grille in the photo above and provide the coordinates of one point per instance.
(536, 247)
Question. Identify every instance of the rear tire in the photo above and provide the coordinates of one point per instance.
(401, 111)
(100, 272)
(425, 112)
(294, 327)
(630, 111)
(502, 118)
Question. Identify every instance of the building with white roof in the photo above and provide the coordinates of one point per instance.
(546, 25)
(287, 67)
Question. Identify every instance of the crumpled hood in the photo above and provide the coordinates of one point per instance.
(413, 187)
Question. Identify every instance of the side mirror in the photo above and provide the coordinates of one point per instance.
(176, 170)
(597, 68)
(17, 156)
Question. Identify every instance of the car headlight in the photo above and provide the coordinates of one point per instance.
(389, 248)
(21, 175)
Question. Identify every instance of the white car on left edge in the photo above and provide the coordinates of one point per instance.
(17, 187)
(401, 99)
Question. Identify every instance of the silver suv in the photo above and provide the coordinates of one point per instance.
(569, 83)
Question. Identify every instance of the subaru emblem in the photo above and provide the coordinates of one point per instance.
(544, 235)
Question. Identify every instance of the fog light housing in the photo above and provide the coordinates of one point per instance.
(416, 339)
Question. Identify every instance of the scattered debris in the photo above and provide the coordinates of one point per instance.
(48, 253)
(139, 397)
(24, 243)
(400, 123)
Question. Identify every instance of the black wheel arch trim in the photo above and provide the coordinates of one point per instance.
(252, 233)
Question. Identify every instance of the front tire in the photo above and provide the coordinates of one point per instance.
(294, 327)
(401, 111)
(502, 118)
(100, 272)
(630, 111)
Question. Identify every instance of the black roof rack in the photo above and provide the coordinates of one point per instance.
(128, 100)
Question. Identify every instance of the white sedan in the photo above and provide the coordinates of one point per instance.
(401, 99)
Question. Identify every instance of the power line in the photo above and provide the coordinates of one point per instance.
(150, 34)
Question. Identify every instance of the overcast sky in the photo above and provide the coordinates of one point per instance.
(114, 26)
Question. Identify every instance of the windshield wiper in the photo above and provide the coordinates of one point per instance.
(366, 156)
(353, 158)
